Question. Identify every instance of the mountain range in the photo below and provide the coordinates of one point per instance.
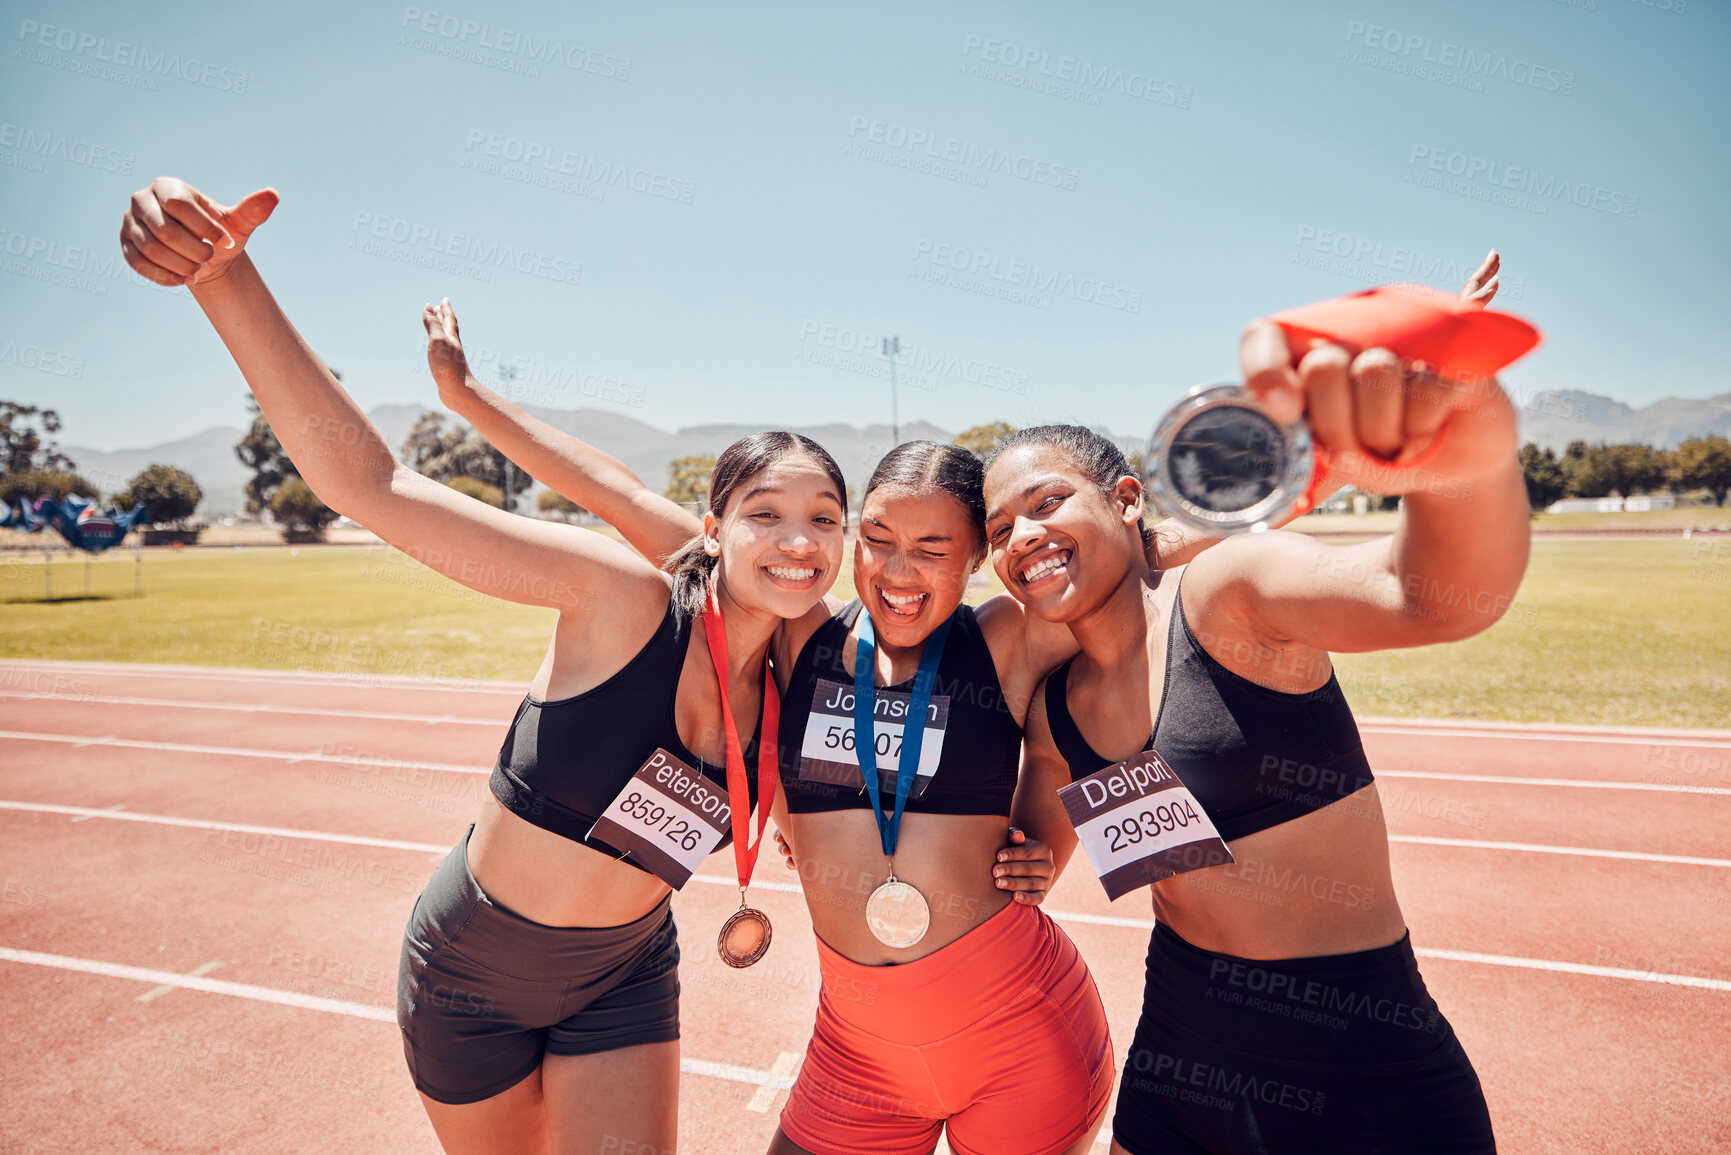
(1551, 419)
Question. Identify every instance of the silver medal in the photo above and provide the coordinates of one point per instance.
(1221, 464)
(897, 914)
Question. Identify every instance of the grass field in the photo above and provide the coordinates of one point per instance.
(1615, 632)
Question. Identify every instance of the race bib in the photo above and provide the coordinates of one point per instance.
(827, 755)
(1139, 824)
(668, 818)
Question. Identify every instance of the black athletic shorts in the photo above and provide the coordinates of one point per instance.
(483, 993)
(1339, 1054)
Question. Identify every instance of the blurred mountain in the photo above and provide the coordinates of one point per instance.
(1552, 419)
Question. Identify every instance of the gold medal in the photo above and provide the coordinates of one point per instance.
(897, 914)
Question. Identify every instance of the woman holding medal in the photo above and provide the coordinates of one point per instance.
(1203, 744)
(538, 993)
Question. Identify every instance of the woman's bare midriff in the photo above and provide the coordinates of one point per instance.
(549, 879)
(948, 857)
(1317, 885)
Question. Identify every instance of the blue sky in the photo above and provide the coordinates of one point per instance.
(696, 213)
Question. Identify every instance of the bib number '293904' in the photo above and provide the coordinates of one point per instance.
(668, 817)
(1139, 824)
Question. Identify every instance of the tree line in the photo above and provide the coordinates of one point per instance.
(1700, 463)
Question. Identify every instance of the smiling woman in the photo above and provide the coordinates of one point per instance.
(569, 941)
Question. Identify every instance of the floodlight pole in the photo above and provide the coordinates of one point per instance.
(891, 347)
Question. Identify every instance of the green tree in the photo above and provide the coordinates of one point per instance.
(442, 455)
(1705, 463)
(559, 506)
(1635, 468)
(1587, 470)
(982, 439)
(299, 509)
(167, 494)
(260, 451)
(35, 483)
(1544, 475)
(479, 490)
(688, 480)
(27, 450)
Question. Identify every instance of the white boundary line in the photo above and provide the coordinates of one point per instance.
(282, 677)
(454, 768)
(314, 1003)
(240, 752)
(238, 827)
(1378, 723)
(1064, 915)
(399, 844)
(243, 708)
(1471, 956)
(1582, 783)
(1583, 851)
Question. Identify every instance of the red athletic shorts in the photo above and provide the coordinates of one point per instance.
(1000, 1035)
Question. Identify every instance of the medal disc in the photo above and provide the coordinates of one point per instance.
(744, 937)
(1219, 463)
(897, 914)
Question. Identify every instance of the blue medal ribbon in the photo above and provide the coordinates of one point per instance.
(913, 725)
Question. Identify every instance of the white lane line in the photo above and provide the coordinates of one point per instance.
(155, 993)
(1472, 956)
(198, 983)
(1584, 783)
(290, 756)
(1657, 738)
(356, 680)
(729, 880)
(762, 1099)
(1069, 916)
(88, 817)
(1540, 964)
(1583, 851)
(431, 848)
(727, 1071)
(243, 708)
(312, 835)
(238, 827)
(1578, 730)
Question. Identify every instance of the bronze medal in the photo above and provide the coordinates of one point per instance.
(744, 937)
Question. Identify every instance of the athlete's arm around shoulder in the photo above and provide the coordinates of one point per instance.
(1452, 567)
(1036, 809)
(173, 234)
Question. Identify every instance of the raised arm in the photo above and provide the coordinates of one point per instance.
(592, 478)
(1452, 567)
(173, 234)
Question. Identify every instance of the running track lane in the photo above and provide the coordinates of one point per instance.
(1106, 946)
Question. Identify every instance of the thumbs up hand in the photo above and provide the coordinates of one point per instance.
(173, 234)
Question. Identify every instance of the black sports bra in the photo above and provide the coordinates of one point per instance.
(564, 761)
(1252, 756)
(982, 742)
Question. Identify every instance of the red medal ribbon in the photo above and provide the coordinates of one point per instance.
(768, 767)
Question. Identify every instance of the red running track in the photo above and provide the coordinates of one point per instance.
(207, 872)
